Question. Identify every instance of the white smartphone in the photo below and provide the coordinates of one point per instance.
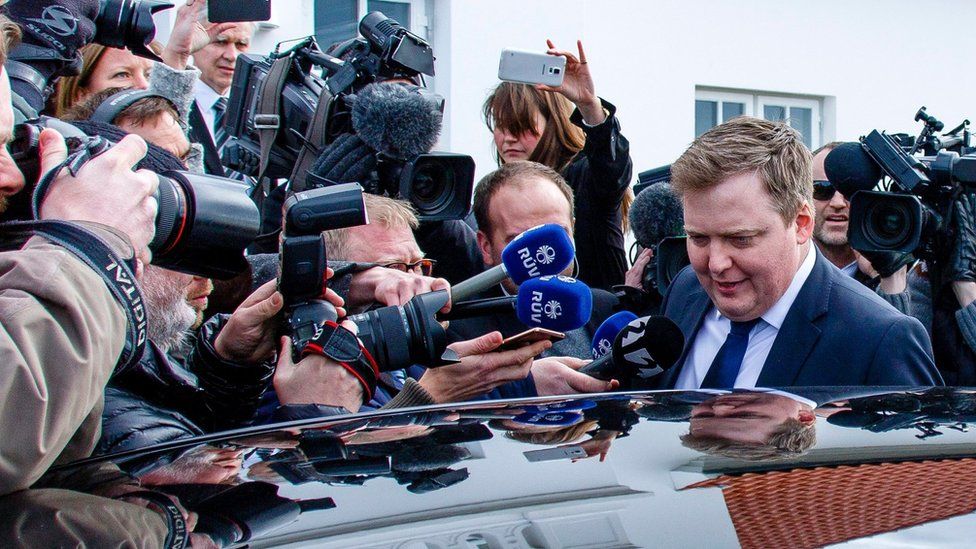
(550, 454)
(529, 67)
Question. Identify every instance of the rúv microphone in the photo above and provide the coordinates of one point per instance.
(539, 251)
(559, 303)
(645, 348)
(606, 334)
(850, 169)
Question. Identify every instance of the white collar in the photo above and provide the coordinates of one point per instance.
(205, 95)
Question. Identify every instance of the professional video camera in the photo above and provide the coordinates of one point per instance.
(281, 116)
(396, 336)
(912, 212)
(203, 223)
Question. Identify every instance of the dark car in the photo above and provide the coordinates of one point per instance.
(759, 468)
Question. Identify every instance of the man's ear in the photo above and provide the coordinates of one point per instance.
(484, 244)
(804, 223)
(806, 417)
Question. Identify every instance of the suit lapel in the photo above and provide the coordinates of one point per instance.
(799, 333)
(693, 313)
(200, 134)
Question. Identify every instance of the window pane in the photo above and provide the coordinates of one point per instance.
(772, 112)
(731, 110)
(398, 11)
(706, 116)
(802, 120)
(335, 21)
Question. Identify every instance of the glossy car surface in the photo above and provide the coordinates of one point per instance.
(813, 467)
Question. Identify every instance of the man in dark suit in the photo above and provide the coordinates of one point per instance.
(759, 306)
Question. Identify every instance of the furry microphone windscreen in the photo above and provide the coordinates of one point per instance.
(399, 120)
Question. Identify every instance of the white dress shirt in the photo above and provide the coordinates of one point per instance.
(206, 98)
(716, 327)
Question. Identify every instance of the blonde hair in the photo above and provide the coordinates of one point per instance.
(791, 439)
(9, 35)
(772, 150)
(381, 210)
(69, 88)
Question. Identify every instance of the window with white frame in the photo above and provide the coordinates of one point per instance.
(712, 107)
(338, 20)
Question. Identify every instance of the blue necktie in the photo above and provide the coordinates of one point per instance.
(221, 136)
(725, 367)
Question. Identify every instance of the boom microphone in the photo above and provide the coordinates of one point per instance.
(557, 303)
(400, 121)
(656, 214)
(607, 332)
(539, 251)
(850, 169)
(644, 348)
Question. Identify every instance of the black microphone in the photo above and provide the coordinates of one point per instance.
(850, 169)
(644, 348)
(656, 214)
(397, 120)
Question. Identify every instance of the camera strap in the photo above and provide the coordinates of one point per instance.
(98, 255)
(267, 122)
(337, 343)
(177, 536)
(314, 139)
(90, 149)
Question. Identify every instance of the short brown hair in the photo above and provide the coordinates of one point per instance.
(791, 439)
(390, 213)
(745, 144)
(9, 36)
(512, 173)
(828, 147)
(513, 108)
(138, 113)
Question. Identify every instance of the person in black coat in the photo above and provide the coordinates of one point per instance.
(585, 146)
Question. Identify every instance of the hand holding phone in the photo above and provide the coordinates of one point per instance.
(529, 336)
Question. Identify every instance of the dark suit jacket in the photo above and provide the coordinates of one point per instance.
(836, 333)
(199, 133)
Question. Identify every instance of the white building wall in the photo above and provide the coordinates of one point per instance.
(876, 61)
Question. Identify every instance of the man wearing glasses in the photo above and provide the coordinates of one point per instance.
(832, 212)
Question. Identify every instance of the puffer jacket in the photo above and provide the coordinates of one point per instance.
(163, 399)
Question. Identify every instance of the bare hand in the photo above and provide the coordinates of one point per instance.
(558, 376)
(316, 380)
(248, 336)
(481, 369)
(577, 84)
(635, 275)
(105, 191)
(391, 287)
(190, 33)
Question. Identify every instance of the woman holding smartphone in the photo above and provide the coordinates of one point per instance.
(573, 131)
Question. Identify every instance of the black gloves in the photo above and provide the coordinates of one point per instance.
(962, 260)
(62, 26)
(888, 263)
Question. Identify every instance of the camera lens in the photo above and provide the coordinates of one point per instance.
(889, 224)
(128, 24)
(398, 337)
(203, 225)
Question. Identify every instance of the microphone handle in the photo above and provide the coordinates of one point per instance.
(480, 307)
(601, 368)
(478, 283)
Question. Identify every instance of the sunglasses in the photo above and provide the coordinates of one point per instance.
(424, 266)
(823, 190)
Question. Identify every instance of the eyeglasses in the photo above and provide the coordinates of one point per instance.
(424, 266)
(823, 190)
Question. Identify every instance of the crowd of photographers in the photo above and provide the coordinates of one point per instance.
(132, 314)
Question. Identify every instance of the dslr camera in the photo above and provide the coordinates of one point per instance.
(396, 336)
(203, 223)
(286, 108)
(924, 177)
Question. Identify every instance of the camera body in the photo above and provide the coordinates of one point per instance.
(911, 215)
(281, 115)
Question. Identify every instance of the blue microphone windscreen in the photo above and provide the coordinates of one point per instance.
(607, 332)
(557, 303)
(539, 251)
